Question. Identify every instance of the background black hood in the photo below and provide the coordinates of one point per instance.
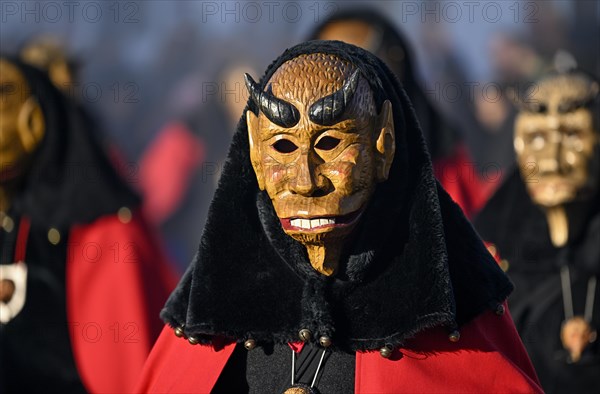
(416, 261)
(395, 50)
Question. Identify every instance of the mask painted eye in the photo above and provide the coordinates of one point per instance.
(284, 146)
(539, 108)
(572, 133)
(7, 88)
(537, 141)
(327, 143)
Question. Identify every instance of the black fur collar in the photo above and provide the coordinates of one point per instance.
(416, 261)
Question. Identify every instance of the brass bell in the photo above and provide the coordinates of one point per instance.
(500, 310)
(305, 334)
(179, 332)
(454, 336)
(250, 344)
(53, 236)
(6, 222)
(386, 351)
(325, 341)
(124, 215)
(193, 340)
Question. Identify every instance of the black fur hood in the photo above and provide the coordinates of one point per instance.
(416, 261)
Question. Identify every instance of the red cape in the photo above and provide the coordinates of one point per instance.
(117, 280)
(488, 358)
(459, 177)
(166, 169)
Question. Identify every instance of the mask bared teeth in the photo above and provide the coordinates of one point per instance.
(311, 223)
(322, 222)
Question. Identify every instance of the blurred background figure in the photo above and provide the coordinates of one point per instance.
(180, 169)
(165, 168)
(453, 166)
(226, 99)
(49, 53)
(545, 222)
(82, 278)
(170, 169)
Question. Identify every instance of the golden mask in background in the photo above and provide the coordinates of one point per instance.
(555, 138)
(21, 122)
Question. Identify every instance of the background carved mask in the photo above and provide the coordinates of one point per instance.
(21, 122)
(555, 138)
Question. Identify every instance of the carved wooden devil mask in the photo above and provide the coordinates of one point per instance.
(318, 147)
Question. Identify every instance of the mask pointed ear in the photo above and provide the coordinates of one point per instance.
(253, 138)
(386, 142)
(30, 124)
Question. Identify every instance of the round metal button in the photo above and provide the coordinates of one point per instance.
(305, 334)
(53, 236)
(386, 351)
(178, 332)
(250, 344)
(325, 341)
(500, 310)
(454, 336)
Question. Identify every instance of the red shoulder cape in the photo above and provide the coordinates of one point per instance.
(488, 358)
(117, 280)
(460, 178)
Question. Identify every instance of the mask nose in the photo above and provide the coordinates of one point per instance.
(551, 161)
(308, 181)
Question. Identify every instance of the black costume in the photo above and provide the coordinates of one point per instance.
(68, 167)
(72, 193)
(520, 232)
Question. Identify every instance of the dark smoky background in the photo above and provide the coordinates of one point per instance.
(164, 81)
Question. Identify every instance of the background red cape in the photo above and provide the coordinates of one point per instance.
(117, 280)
